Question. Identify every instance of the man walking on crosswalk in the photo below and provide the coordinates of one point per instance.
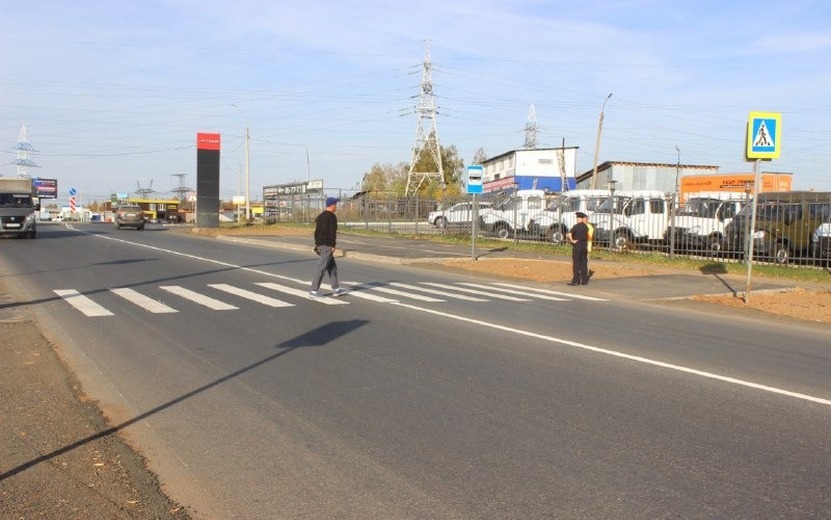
(326, 236)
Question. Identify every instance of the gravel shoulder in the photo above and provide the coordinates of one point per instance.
(59, 458)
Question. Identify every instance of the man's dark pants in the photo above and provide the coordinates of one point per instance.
(580, 264)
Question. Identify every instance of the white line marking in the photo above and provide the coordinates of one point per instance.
(362, 291)
(198, 298)
(301, 293)
(437, 292)
(387, 290)
(145, 302)
(638, 359)
(523, 292)
(491, 294)
(623, 355)
(251, 295)
(82, 303)
(549, 291)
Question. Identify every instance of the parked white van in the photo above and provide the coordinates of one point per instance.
(701, 221)
(634, 216)
(555, 221)
(511, 215)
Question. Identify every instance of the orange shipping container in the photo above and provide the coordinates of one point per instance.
(736, 182)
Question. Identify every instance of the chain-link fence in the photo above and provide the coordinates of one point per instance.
(791, 228)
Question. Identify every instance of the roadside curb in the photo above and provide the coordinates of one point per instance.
(340, 253)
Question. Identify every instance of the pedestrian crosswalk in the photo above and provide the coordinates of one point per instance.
(227, 297)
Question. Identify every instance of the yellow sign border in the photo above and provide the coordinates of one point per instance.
(777, 138)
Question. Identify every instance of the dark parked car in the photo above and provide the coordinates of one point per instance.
(175, 218)
(130, 215)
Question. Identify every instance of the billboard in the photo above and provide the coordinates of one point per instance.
(45, 188)
(736, 182)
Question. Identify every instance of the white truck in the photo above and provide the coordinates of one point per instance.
(18, 207)
(511, 216)
(700, 223)
(554, 221)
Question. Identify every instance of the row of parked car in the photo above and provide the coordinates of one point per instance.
(789, 225)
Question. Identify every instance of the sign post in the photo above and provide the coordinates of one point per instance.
(764, 137)
(474, 187)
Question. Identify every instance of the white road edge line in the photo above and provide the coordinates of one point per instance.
(623, 355)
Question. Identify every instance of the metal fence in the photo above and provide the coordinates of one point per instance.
(789, 230)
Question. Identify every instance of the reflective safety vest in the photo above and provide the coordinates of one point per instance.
(590, 237)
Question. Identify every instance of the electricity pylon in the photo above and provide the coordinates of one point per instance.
(24, 148)
(426, 141)
(531, 129)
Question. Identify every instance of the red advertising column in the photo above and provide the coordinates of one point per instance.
(207, 180)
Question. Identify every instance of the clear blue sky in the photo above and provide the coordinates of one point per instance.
(113, 93)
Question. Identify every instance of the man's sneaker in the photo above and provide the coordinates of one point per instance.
(315, 294)
(339, 292)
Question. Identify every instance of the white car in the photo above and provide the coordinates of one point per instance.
(821, 241)
(456, 215)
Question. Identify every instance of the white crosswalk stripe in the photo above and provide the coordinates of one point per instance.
(302, 293)
(381, 288)
(145, 302)
(201, 299)
(489, 294)
(556, 293)
(523, 292)
(362, 291)
(438, 292)
(82, 303)
(250, 295)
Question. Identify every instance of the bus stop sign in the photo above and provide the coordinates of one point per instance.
(474, 178)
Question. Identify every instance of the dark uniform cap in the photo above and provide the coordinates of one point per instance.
(580, 214)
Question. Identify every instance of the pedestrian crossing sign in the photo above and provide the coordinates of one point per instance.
(764, 134)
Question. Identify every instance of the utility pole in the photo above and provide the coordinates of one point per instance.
(676, 201)
(247, 172)
(597, 143)
(247, 177)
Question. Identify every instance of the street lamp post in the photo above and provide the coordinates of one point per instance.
(247, 178)
(676, 200)
(612, 183)
(597, 143)
(247, 172)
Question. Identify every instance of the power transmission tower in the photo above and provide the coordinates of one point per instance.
(426, 142)
(531, 129)
(181, 190)
(144, 192)
(24, 148)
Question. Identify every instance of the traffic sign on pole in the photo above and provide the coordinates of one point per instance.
(764, 135)
(474, 178)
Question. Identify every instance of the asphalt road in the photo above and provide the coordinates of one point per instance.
(423, 393)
